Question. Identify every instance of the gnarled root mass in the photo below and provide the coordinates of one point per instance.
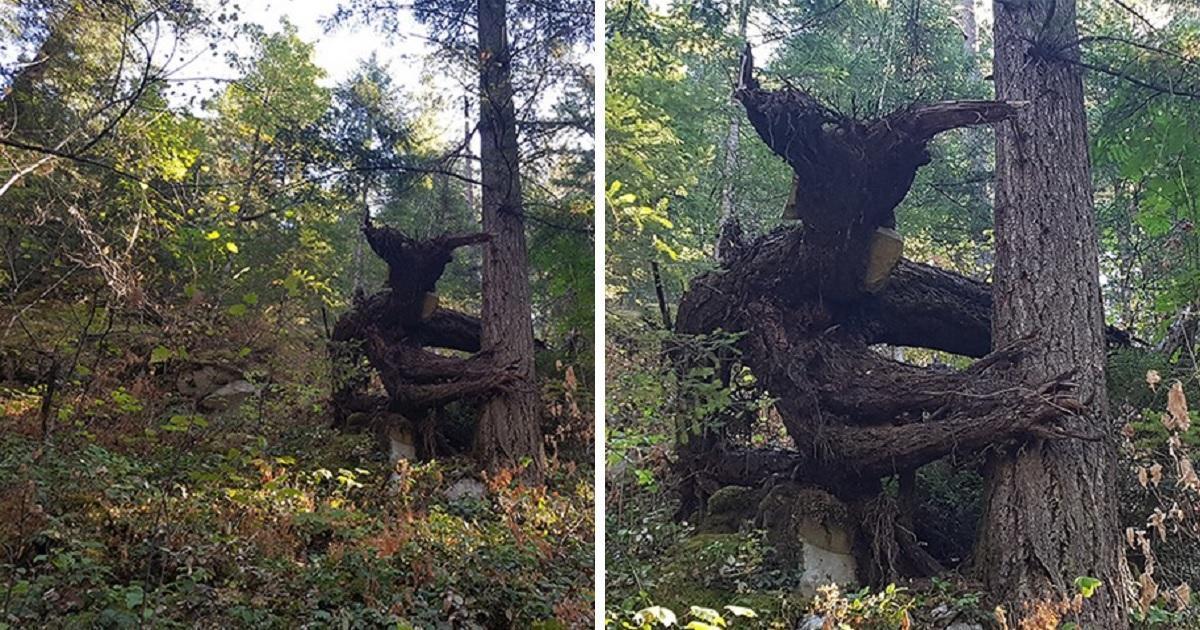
(394, 331)
(808, 320)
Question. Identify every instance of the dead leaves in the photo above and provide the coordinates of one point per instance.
(1150, 476)
(1149, 591)
(1177, 408)
(1177, 421)
(1187, 475)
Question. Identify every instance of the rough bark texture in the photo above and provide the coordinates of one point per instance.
(728, 227)
(807, 319)
(509, 426)
(1050, 507)
(393, 328)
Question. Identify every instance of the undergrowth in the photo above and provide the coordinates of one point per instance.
(139, 511)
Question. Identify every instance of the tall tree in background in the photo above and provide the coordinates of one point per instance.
(519, 52)
(509, 429)
(1050, 507)
(729, 230)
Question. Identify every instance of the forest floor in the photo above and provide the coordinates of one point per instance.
(660, 564)
(140, 511)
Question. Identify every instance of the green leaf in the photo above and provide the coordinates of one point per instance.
(250, 298)
(134, 597)
(161, 354)
(1087, 585)
(662, 246)
(237, 310)
(178, 424)
(708, 615)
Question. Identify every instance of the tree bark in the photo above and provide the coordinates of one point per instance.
(1050, 507)
(728, 229)
(509, 431)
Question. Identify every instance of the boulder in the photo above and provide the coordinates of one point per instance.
(886, 249)
(466, 488)
(228, 396)
(402, 442)
(812, 529)
(811, 622)
(727, 509)
(201, 379)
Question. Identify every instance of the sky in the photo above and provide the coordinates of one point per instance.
(338, 52)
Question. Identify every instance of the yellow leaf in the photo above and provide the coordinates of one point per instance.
(213, 235)
(231, 247)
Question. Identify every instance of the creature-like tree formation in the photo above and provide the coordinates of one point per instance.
(395, 330)
(812, 297)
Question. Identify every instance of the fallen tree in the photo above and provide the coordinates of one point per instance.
(810, 299)
(396, 330)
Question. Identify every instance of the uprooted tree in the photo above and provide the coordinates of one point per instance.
(810, 299)
(396, 330)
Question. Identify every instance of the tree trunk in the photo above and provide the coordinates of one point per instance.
(728, 230)
(509, 431)
(1050, 511)
(468, 166)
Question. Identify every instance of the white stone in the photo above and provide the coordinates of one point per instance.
(813, 622)
(466, 488)
(822, 566)
(228, 396)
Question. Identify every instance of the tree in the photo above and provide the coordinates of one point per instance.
(512, 71)
(509, 429)
(1050, 507)
(728, 229)
(810, 298)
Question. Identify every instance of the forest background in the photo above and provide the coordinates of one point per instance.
(181, 195)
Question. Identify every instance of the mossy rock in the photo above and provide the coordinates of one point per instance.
(727, 509)
(812, 532)
(793, 514)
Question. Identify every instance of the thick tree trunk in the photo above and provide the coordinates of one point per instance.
(509, 431)
(1050, 511)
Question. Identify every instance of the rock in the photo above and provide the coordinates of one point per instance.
(812, 622)
(464, 488)
(962, 625)
(727, 509)
(429, 304)
(942, 613)
(886, 248)
(201, 379)
(228, 396)
(813, 529)
(402, 443)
